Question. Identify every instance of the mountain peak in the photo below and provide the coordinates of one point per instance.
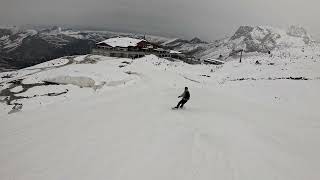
(266, 38)
(196, 40)
(299, 32)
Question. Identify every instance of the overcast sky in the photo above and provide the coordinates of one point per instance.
(207, 19)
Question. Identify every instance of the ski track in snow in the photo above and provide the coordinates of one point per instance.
(225, 132)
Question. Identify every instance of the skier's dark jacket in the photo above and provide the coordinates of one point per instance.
(185, 95)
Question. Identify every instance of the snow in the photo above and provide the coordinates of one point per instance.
(9, 45)
(74, 34)
(78, 81)
(80, 58)
(257, 39)
(16, 74)
(50, 64)
(122, 42)
(156, 39)
(169, 41)
(17, 89)
(41, 90)
(4, 38)
(245, 130)
(4, 86)
(97, 72)
(259, 33)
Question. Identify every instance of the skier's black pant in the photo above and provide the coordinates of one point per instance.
(181, 103)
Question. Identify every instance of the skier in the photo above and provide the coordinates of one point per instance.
(185, 98)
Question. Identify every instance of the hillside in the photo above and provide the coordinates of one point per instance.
(23, 47)
(259, 39)
(189, 47)
(20, 48)
(95, 117)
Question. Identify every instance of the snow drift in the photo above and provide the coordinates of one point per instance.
(78, 81)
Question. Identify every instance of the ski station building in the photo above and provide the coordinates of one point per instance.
(126, 47)
(213, 61)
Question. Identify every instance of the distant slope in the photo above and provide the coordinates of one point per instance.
(188, 47)
(23, 48)
(260, 39)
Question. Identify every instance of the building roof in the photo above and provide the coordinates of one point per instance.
(175, 52)
(121, 42)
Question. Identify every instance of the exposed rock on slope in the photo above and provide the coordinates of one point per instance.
(300, 32)
(260, 39)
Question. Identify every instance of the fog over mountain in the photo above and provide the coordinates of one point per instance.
(207, 19)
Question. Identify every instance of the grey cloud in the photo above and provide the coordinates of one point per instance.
(208, 19)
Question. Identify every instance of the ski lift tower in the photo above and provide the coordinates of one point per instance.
(239, 48)
(241, 51)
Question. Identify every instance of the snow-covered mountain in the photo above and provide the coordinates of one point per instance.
(189, 47)
(12, 37)
(260, 39)
(95, 117)
(23, 47)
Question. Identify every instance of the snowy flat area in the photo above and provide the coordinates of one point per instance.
(243, 122)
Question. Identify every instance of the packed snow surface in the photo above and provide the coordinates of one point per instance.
(244, 121)
(75, 80)
(17, 89)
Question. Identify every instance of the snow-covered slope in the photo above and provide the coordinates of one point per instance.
(20, 48)
(13, 38)
(188, 47)
(260, 39)
(94, 117)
